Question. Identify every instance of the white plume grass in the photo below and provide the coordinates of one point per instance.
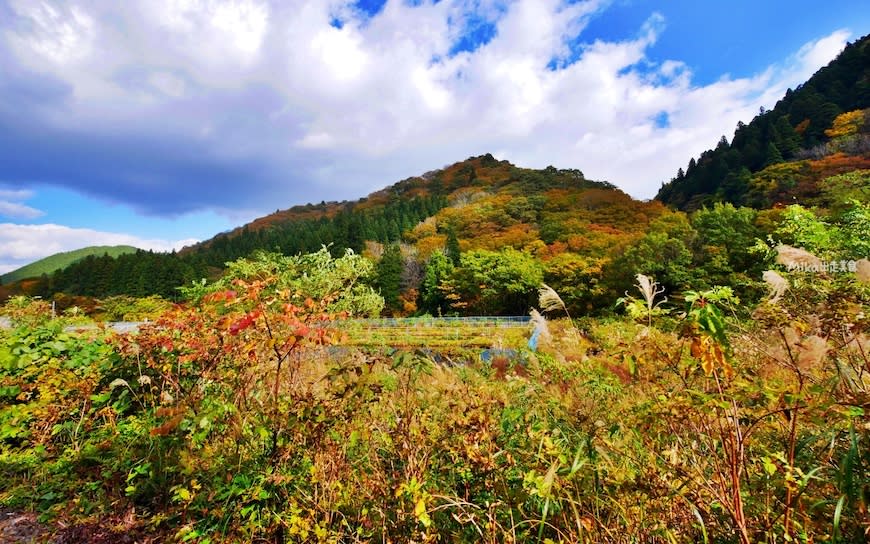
(776, 284)
(797, 258)
(862, 270)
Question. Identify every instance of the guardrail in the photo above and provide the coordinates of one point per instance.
(392, 322)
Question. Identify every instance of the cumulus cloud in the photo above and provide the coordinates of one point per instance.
(22, 244)
(173, 106)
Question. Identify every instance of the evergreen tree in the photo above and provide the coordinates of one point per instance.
(452, 250)
(787, 140)
(389, 276)
(773, 155)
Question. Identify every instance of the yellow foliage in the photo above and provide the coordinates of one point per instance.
(846, 124)
(429, 244)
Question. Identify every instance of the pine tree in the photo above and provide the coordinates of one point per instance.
(389, 276)
(773, 155)
(452, 250)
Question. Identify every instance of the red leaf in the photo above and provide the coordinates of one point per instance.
(242, 324)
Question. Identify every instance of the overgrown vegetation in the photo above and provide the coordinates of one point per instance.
(242, 416)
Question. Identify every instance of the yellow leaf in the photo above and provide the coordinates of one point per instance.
(420, 513)
(707, 363)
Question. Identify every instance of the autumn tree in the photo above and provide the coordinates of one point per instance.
(846, 124)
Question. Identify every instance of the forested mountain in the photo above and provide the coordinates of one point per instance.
(340, 226)
(799, 131)
(481, 236)
(528, 225)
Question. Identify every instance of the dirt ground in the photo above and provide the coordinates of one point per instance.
(23, 528)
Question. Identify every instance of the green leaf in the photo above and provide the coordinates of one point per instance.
(10, 391)
(838, 512)
(769, 465)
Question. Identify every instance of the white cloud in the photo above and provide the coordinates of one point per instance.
(243, 22)
(340, 52)
(18, 210)
(11, 206)
(15, 194)
(57, 34)
(315, 112)
(22, 244)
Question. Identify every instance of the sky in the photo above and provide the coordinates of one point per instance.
(158, 123)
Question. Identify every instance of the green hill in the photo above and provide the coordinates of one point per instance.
(55, 262)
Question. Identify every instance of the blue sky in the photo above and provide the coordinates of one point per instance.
(162, 122)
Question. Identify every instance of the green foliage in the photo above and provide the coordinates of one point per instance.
(854, 230)
(844, 236)
(664, 253)
(494, 283)
(341, 282)
(452, 248)
(703, 311)
(843, 188)
(732, 230)
(389, 276)
(800, 227)
(432, 296)
(126, 308)
(234, 419)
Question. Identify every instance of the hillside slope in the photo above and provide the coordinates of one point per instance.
(55, 262)
(821, 120)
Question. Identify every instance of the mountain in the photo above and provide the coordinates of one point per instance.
(479, 204)
(820, 129)
(55, 262)
(391, 213)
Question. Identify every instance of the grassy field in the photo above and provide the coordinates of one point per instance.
(437, 333)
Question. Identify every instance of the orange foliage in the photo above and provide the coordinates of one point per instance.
(516, 236)
(408, 301)
(838, 163)
(802, 126)
(800, 180)
(605, 229)
(428, 245)
(428, 227)
(577, 243)
(552, 250)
